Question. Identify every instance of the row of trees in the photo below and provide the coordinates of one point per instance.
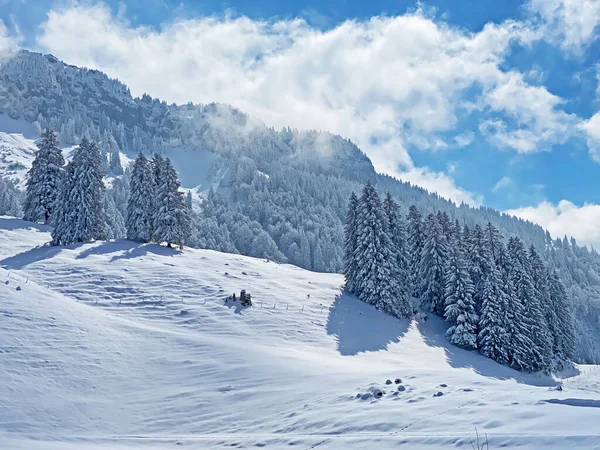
(72, 198)
(156, 209)
(500, 299)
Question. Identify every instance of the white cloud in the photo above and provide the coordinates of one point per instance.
(572, 24)
(598, 81)
(464, 139)
(502, 183)
(591, 128)
(388, 83)
(539, 121)
(8, 43)
(442, 184)
(566, 218)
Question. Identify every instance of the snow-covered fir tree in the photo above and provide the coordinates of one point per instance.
(375, 281)
(10, 198)
(493, 338)
(539, 277)
(564, 335)
(397, 233)
(478, 262)
(459, 304)
(529, 333)
(79, 214)
(44, 179)
(114, 163)
(432, 267)
(140, 207)
(415, 238)
(172, 221)
(115, 223)
(188, 201)
(350, 236)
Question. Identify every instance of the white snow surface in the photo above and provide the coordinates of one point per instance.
(115, 345)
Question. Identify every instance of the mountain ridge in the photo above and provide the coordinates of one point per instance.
(277, 194)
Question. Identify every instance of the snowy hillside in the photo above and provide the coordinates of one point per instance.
(118, 345)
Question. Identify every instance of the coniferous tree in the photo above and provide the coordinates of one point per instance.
(459, 304)
(188, 201)
(350, 236)
(432, 267)
(397, 233)
(376, 275)
(115, 223)
(493, 335)
(172, 222)
(539, 276)
(140, 206)
(114, 164)
(528, 334)
(157, 165)
(415, 238)
(564, 337)
(10, 203)
(478, 263)
(44, 179)
(79, 215)
(446, 224)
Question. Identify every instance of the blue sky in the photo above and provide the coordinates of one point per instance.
(490, 102)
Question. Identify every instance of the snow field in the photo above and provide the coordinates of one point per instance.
(122, 345)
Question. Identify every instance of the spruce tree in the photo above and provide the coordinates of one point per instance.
(478, 263)
(44, 178)
(157, 165)
(10, 204)
(432, 267)
(376, 273)
(350, 236)
(114, 164)
(80, 213)
(397, 233)
(415, 238)
(459, 304)
(564, 338)
(140, 206)
(539, 276)
(528, 333)
(172, 222)
(493, 338)
(188, 201)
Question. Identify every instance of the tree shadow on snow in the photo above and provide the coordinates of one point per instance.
(359, 327)
(125, 249)
(132, 250)
(433, 332)
(12, 223)
(31, 256)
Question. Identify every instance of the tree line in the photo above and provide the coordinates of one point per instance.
(497, 298)
(71, 197)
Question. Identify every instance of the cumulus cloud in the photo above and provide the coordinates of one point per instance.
(535, 110)
(565, 218)
(572, 24)
(440, 183)
(389, 83)
(591, 128)
(8, 43)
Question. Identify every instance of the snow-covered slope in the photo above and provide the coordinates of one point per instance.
(118, 345)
